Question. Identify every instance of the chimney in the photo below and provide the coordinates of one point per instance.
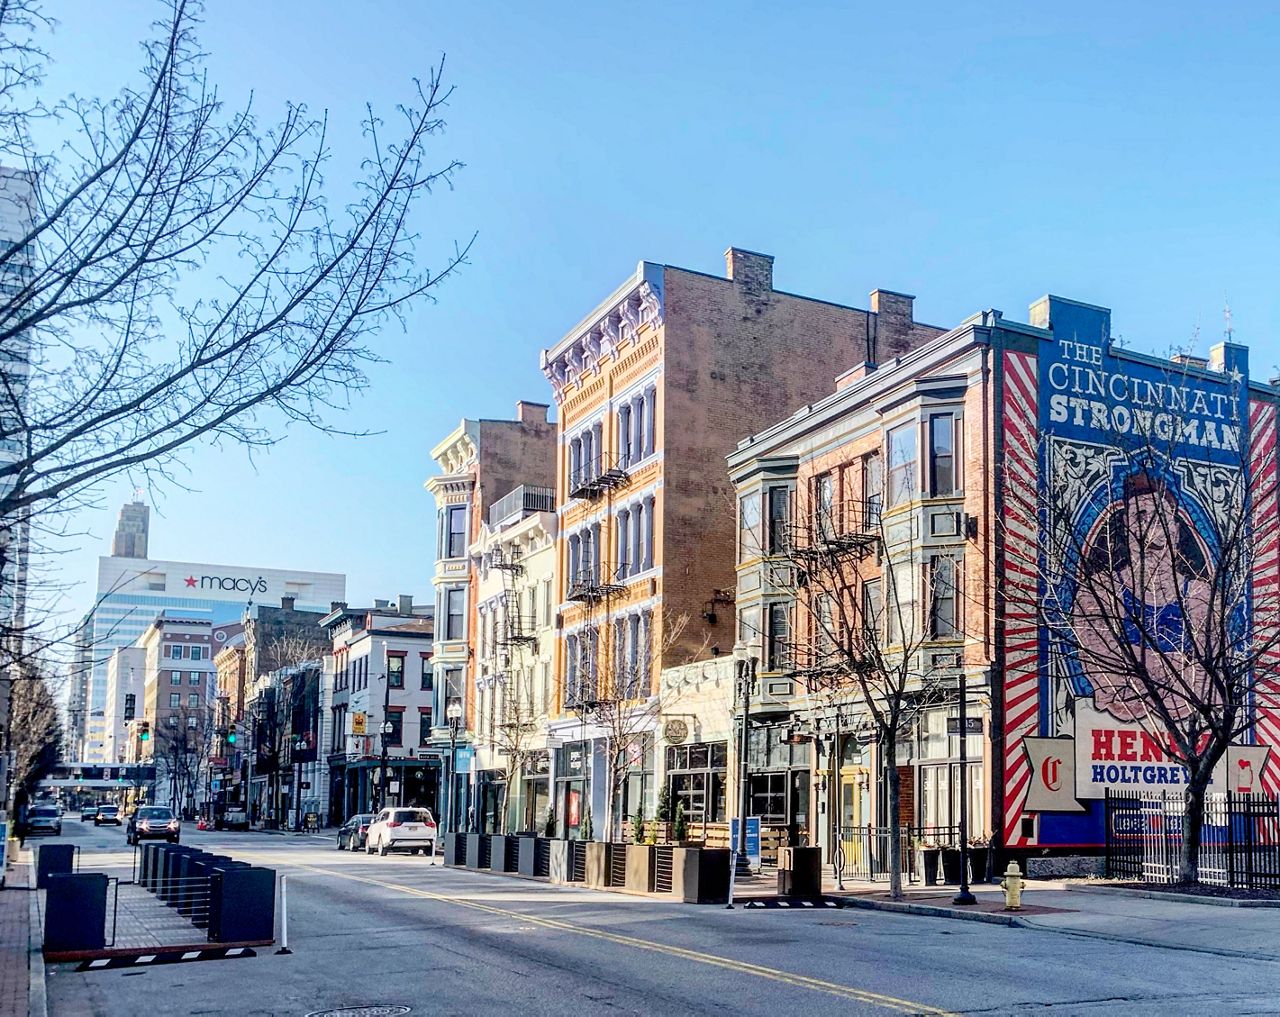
(405, 604)
(894, 323)
(381, 605)
(337, 605)
(1190, 360)
(531, 413)
(752, 271)
(287, 602)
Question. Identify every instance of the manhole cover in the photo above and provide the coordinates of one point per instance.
(368, 1010)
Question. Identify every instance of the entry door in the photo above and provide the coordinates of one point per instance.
(853, 812)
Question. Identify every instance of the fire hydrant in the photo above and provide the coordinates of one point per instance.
(1012, 887)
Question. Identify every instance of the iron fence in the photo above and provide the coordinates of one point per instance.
(862, 852)
(1239, 840)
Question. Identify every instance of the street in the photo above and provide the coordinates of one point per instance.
(404, 931)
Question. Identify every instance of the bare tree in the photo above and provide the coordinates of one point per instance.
(1150, 566)
(35, 732)
(182, 750)
(614, 694)
(864, 641)
(181, 271)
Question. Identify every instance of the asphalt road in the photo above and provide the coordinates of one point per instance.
(401, 930)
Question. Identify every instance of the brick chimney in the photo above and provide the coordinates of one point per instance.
(894, 324)
(531, 413)
(287, 602)
(752, 271)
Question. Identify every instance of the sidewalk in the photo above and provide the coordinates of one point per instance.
(1063, 907)
(15, 925)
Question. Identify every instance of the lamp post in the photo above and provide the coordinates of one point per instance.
(453, 713)
(745, 664)
(385, 727)
(964, 896)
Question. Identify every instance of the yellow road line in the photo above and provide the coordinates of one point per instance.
(742, 967)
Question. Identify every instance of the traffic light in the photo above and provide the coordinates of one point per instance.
(232, 735)
(144, 731)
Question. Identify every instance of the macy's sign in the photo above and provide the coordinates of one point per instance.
(241, 585)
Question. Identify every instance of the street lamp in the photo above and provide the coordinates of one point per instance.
(385, 728)
(453, 714)
(745, 666)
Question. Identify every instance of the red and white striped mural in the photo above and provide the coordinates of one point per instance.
(1020, 415)
(1266, 578)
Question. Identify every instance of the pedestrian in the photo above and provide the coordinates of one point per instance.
(20, 814)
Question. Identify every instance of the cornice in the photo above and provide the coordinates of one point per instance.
(614, 324)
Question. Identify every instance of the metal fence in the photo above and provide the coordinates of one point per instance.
(862, 852)
(1239, 841)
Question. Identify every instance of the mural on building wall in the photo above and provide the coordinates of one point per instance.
(1096, 444)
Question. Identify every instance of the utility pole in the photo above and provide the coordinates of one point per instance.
(385, 727)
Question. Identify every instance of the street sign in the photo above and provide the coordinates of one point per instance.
(973, 725)
(753, 839)
(215, 785)
(357, 723)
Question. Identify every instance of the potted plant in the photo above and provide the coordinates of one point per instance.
(951, 865)
(930, 861)
(682, 827)
(979, 853)
(637, 828)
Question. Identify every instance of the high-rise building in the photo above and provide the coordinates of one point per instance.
(132, 528)
(132, 592)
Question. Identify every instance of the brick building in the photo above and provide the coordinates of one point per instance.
(652, 389)
(480, 462)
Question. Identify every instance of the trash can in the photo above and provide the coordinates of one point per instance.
(53, 859)
(75, 916)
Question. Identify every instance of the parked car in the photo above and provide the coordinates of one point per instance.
(107, 814)
(88, 812)
(353, 833)
(411, 830)
(42, 819)
(153, 822)
(234, 819)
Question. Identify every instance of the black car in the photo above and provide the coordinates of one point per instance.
(107, 814)
(153, 822)
(353, 833)
(88, 812)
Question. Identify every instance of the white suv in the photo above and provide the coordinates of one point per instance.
(401, 830)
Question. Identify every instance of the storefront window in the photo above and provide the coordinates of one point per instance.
(696, 778)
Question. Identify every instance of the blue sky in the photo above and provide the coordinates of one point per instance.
(977, 155)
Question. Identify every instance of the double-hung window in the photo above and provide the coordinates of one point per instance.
(395, 670)
(944, 600)
(456, 531)
(779, 636)
(779, 519)
(942, 455)
(902, 464)
(455, 598)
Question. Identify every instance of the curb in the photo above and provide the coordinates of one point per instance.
(1112, 937)
(1174, 898)
(37, 1001)
(930, 911)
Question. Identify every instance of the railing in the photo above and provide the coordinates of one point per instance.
(596, 583)
(595, 477)
(862, 852)
(1239, 838)
(850, 525)
(525, 498)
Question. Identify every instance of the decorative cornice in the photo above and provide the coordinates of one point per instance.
(617, 322)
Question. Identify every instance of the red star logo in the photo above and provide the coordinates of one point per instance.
(191, 580)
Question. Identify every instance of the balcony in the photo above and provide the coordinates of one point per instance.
(595, 584)
(597, 477)
(853, 526)
(520, 502)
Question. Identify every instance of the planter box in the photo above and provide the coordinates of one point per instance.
(455, 849)
(478, 850)
(930, 865)
(701, 875)
(951, 866)
(641, 867)
(800, 872)
(978, 864)
(597, 869)
(560, 868)
(527, 861)
(503, 853)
